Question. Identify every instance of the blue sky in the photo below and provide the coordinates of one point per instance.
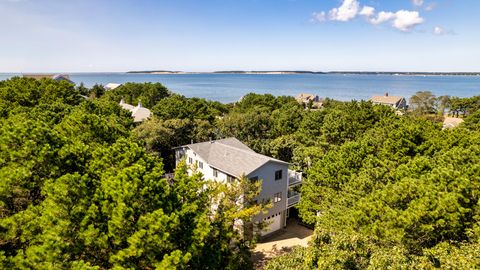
(208, 35)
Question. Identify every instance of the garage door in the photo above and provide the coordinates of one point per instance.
(275, 223)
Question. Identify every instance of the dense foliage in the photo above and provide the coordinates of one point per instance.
(79, 190)
(399, 193)
(149, 94)
(82, 186)
(425, 102)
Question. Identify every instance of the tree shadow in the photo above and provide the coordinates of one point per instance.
(261, 258)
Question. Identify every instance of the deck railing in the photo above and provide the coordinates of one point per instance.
(294, 199)
(294, 178)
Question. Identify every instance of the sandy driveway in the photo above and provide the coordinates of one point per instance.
(280, 243)
(451, 122)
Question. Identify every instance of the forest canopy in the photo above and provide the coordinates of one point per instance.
(84, 187)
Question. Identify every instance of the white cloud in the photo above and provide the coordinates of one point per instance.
(417, 3)
(437, 30)
(319, 16)
(367, 11)
(430, 6)
(405, 20)
(402, 20)
(382, 17)
(347, 11)
(440, 31)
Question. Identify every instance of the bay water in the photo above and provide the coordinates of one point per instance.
(231, 87)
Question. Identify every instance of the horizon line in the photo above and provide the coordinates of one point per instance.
(173, 72)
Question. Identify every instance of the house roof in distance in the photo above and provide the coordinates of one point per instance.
(231, 156)
(386, 99)
(111, 86)
(139, 113)
(57, 77)
(305, 96)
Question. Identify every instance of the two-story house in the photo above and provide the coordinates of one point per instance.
(229, 159)
(396, 102)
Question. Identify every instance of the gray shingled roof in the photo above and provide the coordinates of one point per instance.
(386, 99)
(231, 156)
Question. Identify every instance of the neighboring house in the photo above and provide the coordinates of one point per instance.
(111, 86)
(306, 98)
(396, 102)
(139, 113)
(228, 159)
(56, 77)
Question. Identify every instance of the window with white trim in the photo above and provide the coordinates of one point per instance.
(277, 197)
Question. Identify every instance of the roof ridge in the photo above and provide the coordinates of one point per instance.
(243, 150)
(252, 152)
(231, 155)
(264, 159)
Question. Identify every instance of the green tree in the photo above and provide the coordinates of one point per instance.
(464, 105)
(472, 122)
(443, 102)
(149, 94)
(393, 197)
(97, 91)
(83, 90)
(23, 94)
(161, 136)
(230, 242)
(423, 102)
(180, 107)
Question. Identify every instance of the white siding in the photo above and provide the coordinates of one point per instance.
(275, 215)
(274, 224)
(207, 171)
(270, 187)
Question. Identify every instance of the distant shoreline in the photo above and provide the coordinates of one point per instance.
(166, 72)
(226, 72)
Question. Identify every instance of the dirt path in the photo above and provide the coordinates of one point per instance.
(283, 242)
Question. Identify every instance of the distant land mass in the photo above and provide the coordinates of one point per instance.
(393, 73)
(229, 72)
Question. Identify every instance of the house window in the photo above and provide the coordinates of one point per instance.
(190, 161)
(278, 175)
(254, 179)
(215, 173)
(200, 165)
(230, 179)
(277, 197)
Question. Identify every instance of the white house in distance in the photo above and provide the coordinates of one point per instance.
(111, 86)
(396, 102)
(139, 113)
(228, 159)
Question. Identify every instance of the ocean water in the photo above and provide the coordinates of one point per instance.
(231, 87)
